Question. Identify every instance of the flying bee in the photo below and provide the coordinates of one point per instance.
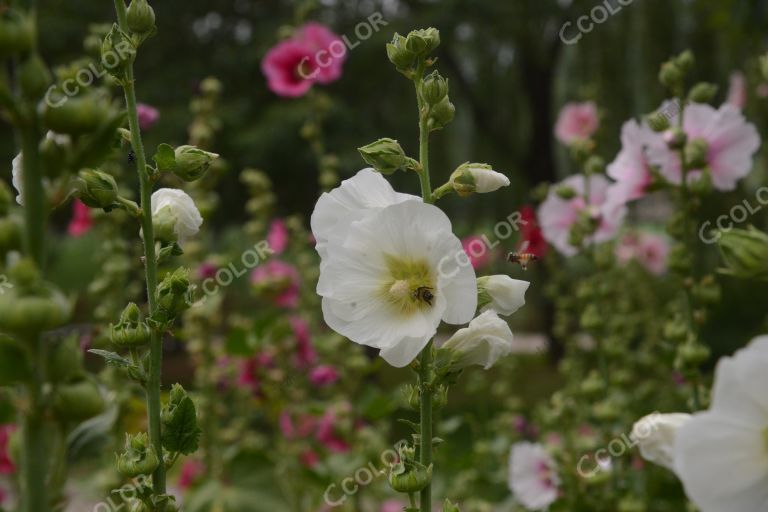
(424, 293)
(522, 258)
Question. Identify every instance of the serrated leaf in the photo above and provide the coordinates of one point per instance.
(14, 365)
(165, 158)
(181, 432)
(112, 359)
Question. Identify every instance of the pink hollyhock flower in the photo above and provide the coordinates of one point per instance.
(309, 458)
(247, 377)
(577, 121)
(531, 237)
(191, 472)
(306, 425)
(81, 222)
(324, 375)
(557, 215)
(6, 464)
(737, 90)
(277, 238)
(651, 250)
(305, 351)
(278, 280)
(329, 51)
(207, 271)
(732, 143)
(392, 506)
(533, 476)
(290, 67)
(148, 116)
(326, 434)
(478, 251)
(631, 168)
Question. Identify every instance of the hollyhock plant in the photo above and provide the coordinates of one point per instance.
(329, 49)
(649, 249)
(631, 168)
(501, 293)
(148, 116)
(729, 438)
(279, 281)
(730, 142)
(277, 237)
(558, 215)
(577, 121)
(533, 476)
(175, 215)
(81, 221)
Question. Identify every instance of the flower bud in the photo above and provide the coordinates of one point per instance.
(470, 178)
(65, 361)
(31, 305)
(744, 253)
(97, 189)
(655, 437)
(10, 235)
(450, 507)
(702, 92)
(17, 33)
(591, 318)
(77, 401)
(409, 475)
(34, 77)
(657, 121)
(501, 293)
(139, 457)
(131, 331)
(696, 152)
(384, 155)
(399, 55)
(595, 165)
(423, 41)
(117, 52)
(483, 342)
(192, 163)
(174, 215)
(675, 138)
(174, 296)
(671, 76)
(565, 193)
(441, 114)
(435, 88)
(141, 17)
(680, 260)
(685, 61)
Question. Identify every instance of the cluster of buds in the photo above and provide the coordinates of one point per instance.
(29, 305)
(408, 475)
(174, 296)
(139, 457)
(409, 52)
(131, 331)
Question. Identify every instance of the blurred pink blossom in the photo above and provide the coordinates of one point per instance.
(330, 52)
(577, 121)
(148, 116)
(310, 458)
(6, 464)
(277, 238)
(323, 375)
(206, 270)
(557, 215)
(81, 221)
(305, 351)
(631, 169)
(478, 251)
(737, 90)
(191, 472)
(651, 250)
(278, 280)
(326, 434)
(392, 505)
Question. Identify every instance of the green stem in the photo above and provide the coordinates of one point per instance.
(35, 456)
(150, 264)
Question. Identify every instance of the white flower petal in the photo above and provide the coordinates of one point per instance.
(655, 437)
(188, 218)
(487, 180)
(507, 294)
(487, 339)
(532, 476)
(16, 178)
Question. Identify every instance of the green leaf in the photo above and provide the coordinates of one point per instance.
(165, 158)
(181, 432)
(112, 358)
(14, 365)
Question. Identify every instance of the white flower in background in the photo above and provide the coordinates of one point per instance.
(389, 278)
(721, 455)
(487, 339)
(365, 193)
(477, 178)
(533, 477)
(501, 293)
(174, 214)
(655, 437)
(18, 162)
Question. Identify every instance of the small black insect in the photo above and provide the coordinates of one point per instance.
(131, 156)
(522, 258)
(425, 294)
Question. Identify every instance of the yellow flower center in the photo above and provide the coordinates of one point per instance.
(409, 286)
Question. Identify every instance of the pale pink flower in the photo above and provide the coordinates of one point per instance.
(731, 139)
(557, 216)
(277, 237)
(577, 121)
(392, 505)
(478, 251)
(631, 169)
(279, 281)
(305, 351)
(533, 477)
(290, 430)
(329, 49)
(148, 116)
(323, 375)
(81, 221)
(191, 472)
(651, 250)
(737, 90)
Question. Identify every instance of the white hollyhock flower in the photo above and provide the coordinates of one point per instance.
(533, 476)
(487, 339)
(175, 215)
(18, 162)
(655, 437)
(389, 278)
(477, 178)
(721, 455)
(502, 293)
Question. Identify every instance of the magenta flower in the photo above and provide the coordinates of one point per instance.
(277, 238)
(207, 270)
(577, 121)
(7, 466)
(631, 168)
(148, 116)
(651, 250)
(247, 377)
(731, 141)
(309, 458)
(191, 472)
(330, 52)
(557, 216)
(477, 250)
(81, 221)
(324, 375)
(326, 434)
(279, 281)
(737, 90)
(305, 352)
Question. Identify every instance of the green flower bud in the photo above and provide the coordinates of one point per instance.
(696, 152)
(702, 92)
(409, 475)
(607, 411)
(708, 291)
(65, 361)
(174, 296)
(680, 260)
(441, 114)
(10, 235)
(685, 61)
(657, 121)
(450, 507)
(131, 331)
(399, 55)
(34, 77)
(192, 163)
(676, 330)
(595, 165)
(117, 52)
(31, 305)
(97, 189)
(675, 138)
(141, 17)
(17, 33)
(384, 155)
(77, 401)
(671, 76)
(423, 41)
(435, 88)
(76, 115)
(139, 457)
(565, 193)
(691, 355)
(744, 253)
